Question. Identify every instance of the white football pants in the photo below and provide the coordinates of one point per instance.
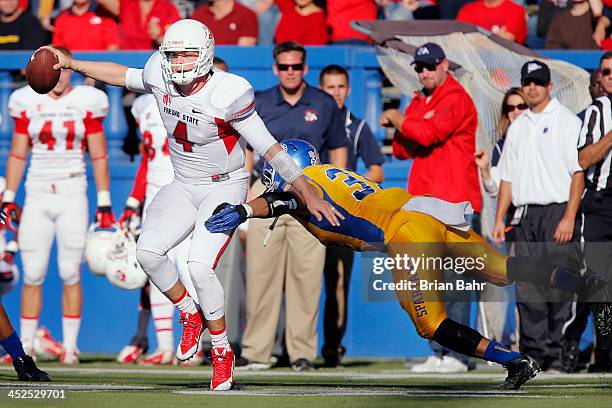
(53, 210)
(176, 211)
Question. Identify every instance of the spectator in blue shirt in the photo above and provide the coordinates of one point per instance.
(292, 260)
(334, 80)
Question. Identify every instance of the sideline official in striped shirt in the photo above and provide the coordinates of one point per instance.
(595, 157)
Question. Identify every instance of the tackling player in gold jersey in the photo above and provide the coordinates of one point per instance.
(399, 223)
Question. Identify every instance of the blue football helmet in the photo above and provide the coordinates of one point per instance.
(303, 154)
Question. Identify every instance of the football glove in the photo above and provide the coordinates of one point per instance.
(130, 219)
(11, 216)
(105, 217)
(227, 217)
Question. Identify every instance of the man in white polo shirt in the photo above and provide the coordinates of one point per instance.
(541, 176)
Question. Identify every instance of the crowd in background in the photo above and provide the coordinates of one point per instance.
(130, 24)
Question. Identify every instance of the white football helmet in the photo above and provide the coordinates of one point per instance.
(9, 277)
(97, 246)
(122, 268)
(187, 35)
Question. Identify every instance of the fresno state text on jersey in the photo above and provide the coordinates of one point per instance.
(201, 130)
(57, 128)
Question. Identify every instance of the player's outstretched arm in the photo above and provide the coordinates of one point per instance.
(227, 217)
(107, 72)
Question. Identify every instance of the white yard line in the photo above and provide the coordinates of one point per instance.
(357, 392)
(75, 387)
(343, 373)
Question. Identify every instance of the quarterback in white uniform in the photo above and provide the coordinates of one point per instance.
(209, 116)
(154, 172)
(57, 127)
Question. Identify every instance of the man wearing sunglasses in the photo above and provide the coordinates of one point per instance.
(595, 158)
(292, 261)
(438, 131)
(542, 178)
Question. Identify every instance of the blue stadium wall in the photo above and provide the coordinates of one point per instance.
(109, 314)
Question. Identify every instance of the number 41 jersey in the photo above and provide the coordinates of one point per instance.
(57, 129)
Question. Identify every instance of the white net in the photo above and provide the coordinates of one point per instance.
(487, 70)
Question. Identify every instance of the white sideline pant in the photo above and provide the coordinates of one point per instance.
(53, 210)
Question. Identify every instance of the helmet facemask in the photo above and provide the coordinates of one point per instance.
(177, 73)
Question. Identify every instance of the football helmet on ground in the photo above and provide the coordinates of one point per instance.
(122, 268)
(99, 241)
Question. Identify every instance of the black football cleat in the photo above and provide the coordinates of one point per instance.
(27, 370)
(520, 370)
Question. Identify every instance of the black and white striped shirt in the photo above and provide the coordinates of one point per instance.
(597, 122)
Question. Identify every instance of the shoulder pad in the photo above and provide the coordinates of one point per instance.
(234, 97)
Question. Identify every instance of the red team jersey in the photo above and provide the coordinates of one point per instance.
(155, 169)
(58, 128)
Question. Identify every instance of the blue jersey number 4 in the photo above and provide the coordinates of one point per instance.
(350, 181)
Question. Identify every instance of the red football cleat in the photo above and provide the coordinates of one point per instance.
(69, 357)
(130, 354)
(158, 357)
(45, 345)
(223, 369)
(193, 326)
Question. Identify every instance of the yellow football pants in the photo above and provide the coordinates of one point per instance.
(421, 235)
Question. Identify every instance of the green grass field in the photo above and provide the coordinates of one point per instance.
(98, 382)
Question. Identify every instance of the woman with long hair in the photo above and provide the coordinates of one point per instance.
(513, 105)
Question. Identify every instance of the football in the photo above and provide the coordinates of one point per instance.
(40, 74)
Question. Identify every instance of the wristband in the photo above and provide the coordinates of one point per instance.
(132, 203)
(8, 196)
(12, 247)
(104, 198)
(249, 210)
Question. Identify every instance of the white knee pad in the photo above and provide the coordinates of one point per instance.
(70, 272)
(159, 268)
(209, 290)
(33, 272)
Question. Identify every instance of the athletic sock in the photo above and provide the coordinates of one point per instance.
(141, 338)
(28, 326)
(499, 354)
(70, 331)
(185, 303)
(163, 314)
(219, 338)
(12, 345)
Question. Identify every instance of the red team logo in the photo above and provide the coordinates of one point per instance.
(167, 99)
